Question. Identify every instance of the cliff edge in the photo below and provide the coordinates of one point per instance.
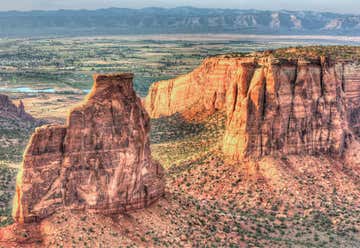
(273, 105)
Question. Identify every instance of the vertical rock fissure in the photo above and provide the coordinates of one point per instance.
(292, 89)
(249, 78)
(236, 97)
(343, 77)
(112, 113)
(170, 89)
(294, 111)
(87, 169)
(263, 110)
(329, 123)
(323, 66)
(214, 100)
(63, 169)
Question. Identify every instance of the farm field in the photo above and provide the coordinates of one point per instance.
(50, 75)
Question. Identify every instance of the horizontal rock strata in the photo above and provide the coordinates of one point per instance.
(273, 105)
(100, 161)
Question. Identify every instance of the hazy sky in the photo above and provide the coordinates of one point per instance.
(344, 6)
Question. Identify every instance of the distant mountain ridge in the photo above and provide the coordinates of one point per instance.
(115, 21)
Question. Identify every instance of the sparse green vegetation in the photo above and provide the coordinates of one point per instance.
(305, 52)
(66, 65)
(224, 203)
(207, 198)
(175, 140)
(7, 188)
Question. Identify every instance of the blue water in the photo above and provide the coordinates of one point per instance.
(26, 90)
(32, 90)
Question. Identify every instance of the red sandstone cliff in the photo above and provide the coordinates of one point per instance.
(272, 105)
(99, 161)
(9, 110)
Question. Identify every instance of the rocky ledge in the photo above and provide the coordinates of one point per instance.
(285, 106)
(99, 161)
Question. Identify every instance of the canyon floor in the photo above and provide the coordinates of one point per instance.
(275, 201)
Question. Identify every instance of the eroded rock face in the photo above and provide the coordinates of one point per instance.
(9, 110)
(99, 161)
(349, 73)
(201, 92)
(273, 106)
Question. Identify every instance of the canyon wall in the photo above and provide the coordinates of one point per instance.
(351, 78)
(272, 105)
(99, 161)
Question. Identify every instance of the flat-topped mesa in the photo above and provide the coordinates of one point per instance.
(273, 105)
(100, 161)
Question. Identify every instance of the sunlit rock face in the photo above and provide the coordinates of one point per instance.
(351, 84)
(100, 161)
(273, 106)
(201, 92)
(9, 110)
(289, 108)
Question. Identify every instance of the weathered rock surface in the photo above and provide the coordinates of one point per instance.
(99, 161)
(351, 86)
(9, 110)
(273, 105)
(16, 126)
